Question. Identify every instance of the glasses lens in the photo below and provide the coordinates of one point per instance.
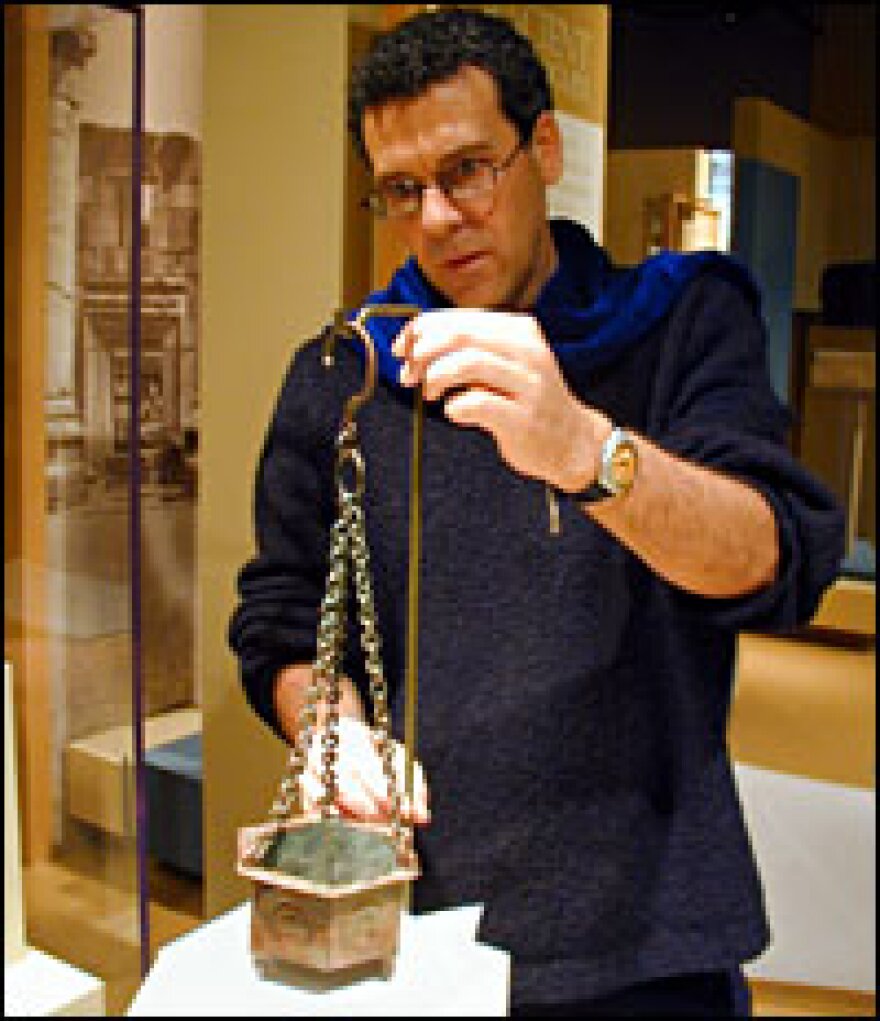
(469, 183)
(395, 199)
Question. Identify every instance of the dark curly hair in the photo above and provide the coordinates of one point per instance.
(432, 47)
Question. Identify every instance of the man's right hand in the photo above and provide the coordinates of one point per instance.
(362, 787)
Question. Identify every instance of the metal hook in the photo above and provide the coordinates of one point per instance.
(348, 453)
(357, 327)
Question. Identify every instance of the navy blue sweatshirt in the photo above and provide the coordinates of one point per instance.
(572, 704)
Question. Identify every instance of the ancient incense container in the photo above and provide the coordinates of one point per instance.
(328, 891)
(327, 895)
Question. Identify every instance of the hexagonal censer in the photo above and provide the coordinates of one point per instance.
(328, 891)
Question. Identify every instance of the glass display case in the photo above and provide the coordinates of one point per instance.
(101, 229)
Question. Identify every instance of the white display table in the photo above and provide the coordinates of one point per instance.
(440, 971)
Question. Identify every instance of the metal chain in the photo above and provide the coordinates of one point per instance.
(401, 835)
(331, 632)
(348, 543)
(288, 802)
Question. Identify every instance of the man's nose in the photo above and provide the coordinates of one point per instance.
(437, 211)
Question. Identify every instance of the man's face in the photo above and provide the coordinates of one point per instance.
(502, 257)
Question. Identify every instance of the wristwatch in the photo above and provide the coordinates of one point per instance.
(618, 465)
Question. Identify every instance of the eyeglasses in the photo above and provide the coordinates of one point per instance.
(469, 184)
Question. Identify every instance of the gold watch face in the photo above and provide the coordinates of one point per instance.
(624, 461)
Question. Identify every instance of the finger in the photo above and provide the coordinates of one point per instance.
(493, 412)
(402, 348)
(377, 783)
(311, 792)
(362, 788)
(402, 343)
(468, 368)
(419, 346)
(433, 334)
(418, 811)
(371, 775)
(354, 799)
(363, 794)
(415, 810)
(374, 805)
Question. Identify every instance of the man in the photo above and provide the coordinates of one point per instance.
(607, 501)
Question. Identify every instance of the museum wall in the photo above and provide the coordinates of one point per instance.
(836, 221)
(272, 274)
(835, 224)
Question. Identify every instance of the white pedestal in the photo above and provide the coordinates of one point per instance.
(38, 985)
(13, 898)
(815, 846)
(440, 971)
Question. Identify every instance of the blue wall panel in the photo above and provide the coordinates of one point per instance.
(765, 238)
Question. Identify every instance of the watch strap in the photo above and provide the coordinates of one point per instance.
(591, 494)
(604, 486)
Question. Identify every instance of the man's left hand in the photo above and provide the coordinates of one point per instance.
(498, 373)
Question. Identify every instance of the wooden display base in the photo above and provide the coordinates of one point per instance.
(788, 999)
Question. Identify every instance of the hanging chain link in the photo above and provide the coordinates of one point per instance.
(401, 835)
(348, 553)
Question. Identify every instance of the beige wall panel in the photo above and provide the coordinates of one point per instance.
(830, 418)
(633, 175)
(768, 133)
(26, 133)
(850, 605)
(572, 41)
(837, 198)
(272, 266)
(805, 709)
(370, 15)
(358, 225)
(13, 129)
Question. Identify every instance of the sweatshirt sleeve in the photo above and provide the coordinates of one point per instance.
(274, 623)
(722, 412)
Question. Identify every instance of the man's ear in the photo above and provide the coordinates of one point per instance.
(547, 147)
